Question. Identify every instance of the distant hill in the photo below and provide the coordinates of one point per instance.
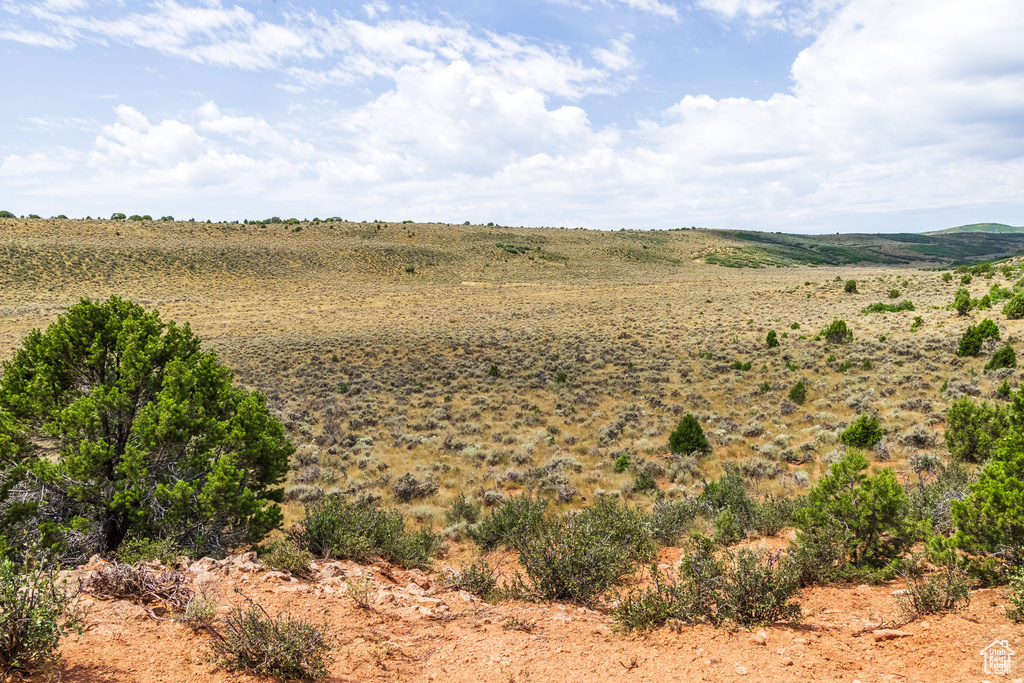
(966, 244)
(979, 227)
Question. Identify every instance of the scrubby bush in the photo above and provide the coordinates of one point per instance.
(837, 332)
(905, 305)
(251, 640)
(670, 520)
(946, 591)
(974, 336)
(409, 487)
(283, 554)
(1014, 308)
(37, 610)
(463, 510)
(864, 433)
(6, 214)
(1003, 358)
(962, 301)
(798, 394)
(866, 519)
(972, 429)
(747, 588)
(479, 578)
(772, 339)
(152, 438)
(947, 277)
(346, 530)
(688, 437)
(518, 515)
(850, 287)
(578, 555)
(1015, 612)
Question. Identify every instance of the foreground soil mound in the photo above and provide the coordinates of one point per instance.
(416, 629)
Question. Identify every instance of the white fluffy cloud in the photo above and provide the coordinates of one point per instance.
(895, 107)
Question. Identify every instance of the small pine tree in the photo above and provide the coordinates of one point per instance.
(1003, 358)
(864, 433)
(772, 339)
(850, 287)
(688, 437)
(962, 301)
(837, 332)
(798, 394)
(1014, 308)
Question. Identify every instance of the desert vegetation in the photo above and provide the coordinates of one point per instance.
(535, 417)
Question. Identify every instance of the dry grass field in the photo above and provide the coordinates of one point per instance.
(490, 360)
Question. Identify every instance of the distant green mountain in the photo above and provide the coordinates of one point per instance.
(979, 227)
(966, 244)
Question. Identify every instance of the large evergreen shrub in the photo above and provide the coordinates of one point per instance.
(688, 437)
(151, 438)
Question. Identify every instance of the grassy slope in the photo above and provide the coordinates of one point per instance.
(979, 227)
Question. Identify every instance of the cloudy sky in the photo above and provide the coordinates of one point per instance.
(793, 115)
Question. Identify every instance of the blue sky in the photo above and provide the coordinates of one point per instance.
(805, 116)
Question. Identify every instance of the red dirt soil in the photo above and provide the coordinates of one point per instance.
(417, 630)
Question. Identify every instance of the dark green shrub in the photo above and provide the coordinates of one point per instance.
(282, 553)
(493, 371)
(578, 555)
(991, 517)
(688, 437)
(970, 342)
(772, 339)
(518, 515)
(6, 214)
(966, 279)
(798, 394)
(962, 301)
(864, 433)
(741, 366)
(765, 387)
(37, 610)
(894, 293)
(621, 463)
(947, 277)
(866, 518)
(837, 332)
(344, 530)
(850, 287)
(118, 217)
(1014, 308)
(253, 641)
(1003, 358)
(973, 429)
(988, 329)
